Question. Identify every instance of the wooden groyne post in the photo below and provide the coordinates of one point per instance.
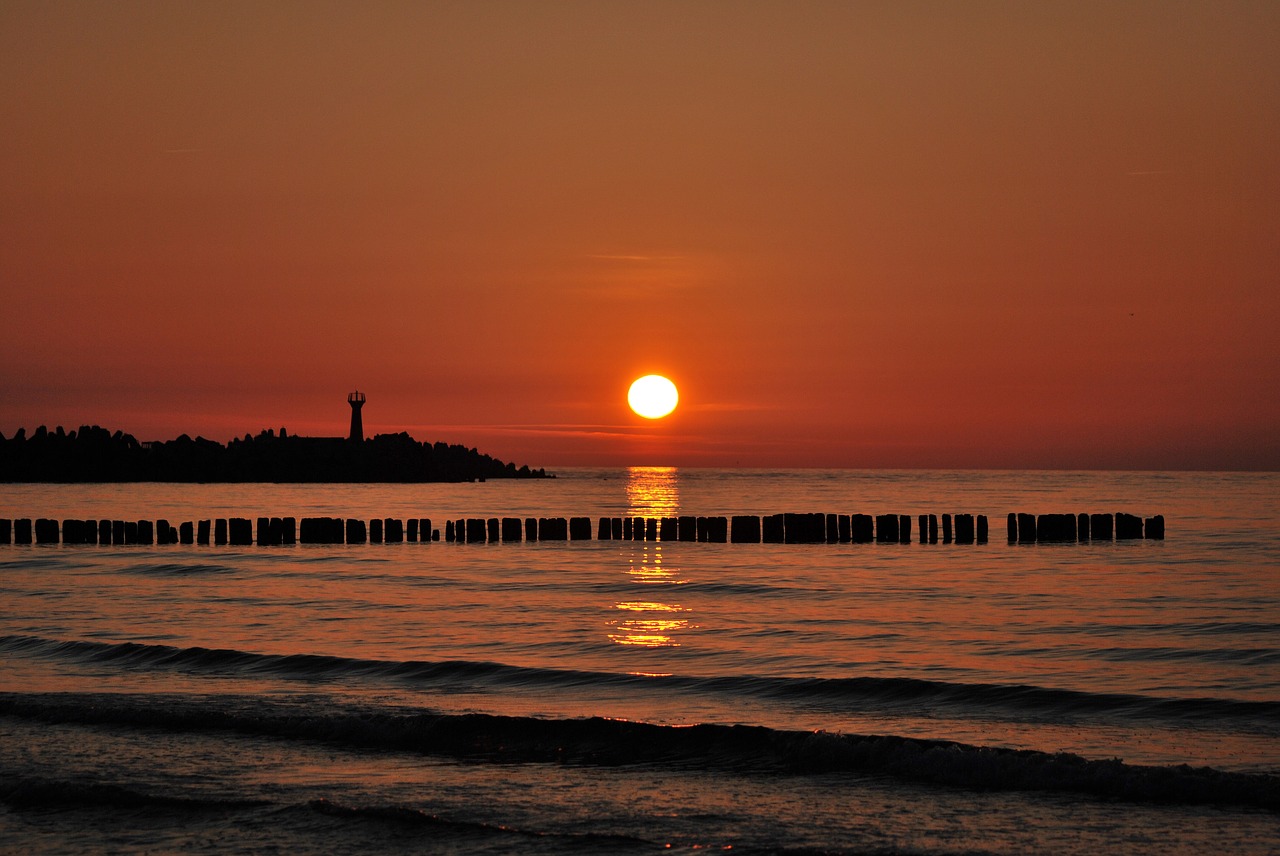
(785, 528)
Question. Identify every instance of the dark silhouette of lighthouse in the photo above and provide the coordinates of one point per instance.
(356, 400)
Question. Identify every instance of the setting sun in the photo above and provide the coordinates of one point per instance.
(653, 396)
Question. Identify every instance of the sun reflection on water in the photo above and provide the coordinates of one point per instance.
(652, 492)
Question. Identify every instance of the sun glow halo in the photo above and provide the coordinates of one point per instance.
(653, 396)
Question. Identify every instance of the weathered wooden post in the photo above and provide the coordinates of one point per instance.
(668, 529)
(475, 530)
(375, 530)
(146, 532)
(718, 530)
(773, 529)
(861, 528)
(22, 531)
(745, 529)
(1128, 527)
(104, 531)
(844, 532)
(924, 528)
(904, 525)
(1154, 527)
(411, 530)
(264, 532)
(219, 532)
(425, 532)
(1100, 527)
(494, 528)
(393, 530)
(1082, 527)
(833, 529)
(616, 528)
(651, 529)
(357, 533)
(71, 533)
(202, 532)
(1013, 528)
(792, 529)
(963, 528)
(605, 531)
(6, 531)
(187, 532)
(531, 529)
(579, 528)
(688, 528)
(240, 532)
(511, 529)
(626, 529)
(1054, 528)
(46, 531)
(982, 528)
(448, 531)
(1026, 528)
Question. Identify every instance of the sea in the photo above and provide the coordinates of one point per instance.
(644, 696)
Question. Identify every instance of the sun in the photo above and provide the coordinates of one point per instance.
(653, 396)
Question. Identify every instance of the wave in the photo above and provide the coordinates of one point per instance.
(33, 793)
(179, 569)
(487, 738)
(402, 815)
(37, 792)
(854, 694)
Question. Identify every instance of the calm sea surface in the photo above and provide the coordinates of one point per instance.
(609, 696)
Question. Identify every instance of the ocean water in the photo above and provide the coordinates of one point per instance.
(610, 696)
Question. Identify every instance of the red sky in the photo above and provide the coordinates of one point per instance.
(855, 234)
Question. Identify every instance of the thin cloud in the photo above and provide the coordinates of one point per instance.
(567, 430)
(611, 257)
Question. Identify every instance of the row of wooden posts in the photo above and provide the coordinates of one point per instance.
(739, 529)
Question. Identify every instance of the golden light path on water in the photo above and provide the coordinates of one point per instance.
(651, 622)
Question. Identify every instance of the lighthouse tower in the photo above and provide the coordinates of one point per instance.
(356, 400)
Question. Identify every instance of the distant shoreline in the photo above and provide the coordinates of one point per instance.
(94, 455)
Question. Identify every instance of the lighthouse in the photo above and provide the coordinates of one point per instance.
(356, 400)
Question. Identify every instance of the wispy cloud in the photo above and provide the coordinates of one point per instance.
(603, 432)
(730, 407)
(617, 257)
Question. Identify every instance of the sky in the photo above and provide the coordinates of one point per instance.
(855, 234)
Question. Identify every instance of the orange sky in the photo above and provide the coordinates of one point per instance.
(855, 234)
